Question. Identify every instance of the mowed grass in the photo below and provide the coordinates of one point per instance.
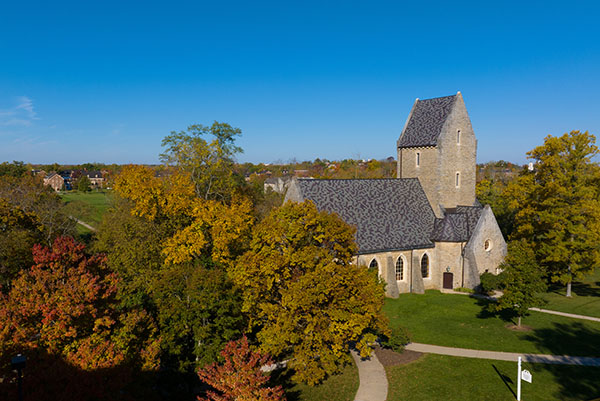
(461, 321)
(585, 299)
(340, 387)
(438, 377)
(88, 207)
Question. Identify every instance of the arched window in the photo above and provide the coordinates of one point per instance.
(425, 266)
(399, 269)
(374, 265)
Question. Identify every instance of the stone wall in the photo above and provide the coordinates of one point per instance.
(457, 156)
(479, 256)
(449, 259)
(426, 171)
(412, 281)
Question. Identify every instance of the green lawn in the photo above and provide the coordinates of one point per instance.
(436, 377)
(88, 207)
(585, 298)
(341, 387)
(461, 321)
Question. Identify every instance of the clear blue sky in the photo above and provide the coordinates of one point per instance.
(106, 81)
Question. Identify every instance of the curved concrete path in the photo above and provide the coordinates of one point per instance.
(504, 356)
(373, 381)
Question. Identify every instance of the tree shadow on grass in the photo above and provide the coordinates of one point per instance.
(579, 289)
(573, 339)
(283, 378)
(488, 311)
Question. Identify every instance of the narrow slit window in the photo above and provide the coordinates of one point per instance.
(418, 159)
(458, 137)
(457, 183)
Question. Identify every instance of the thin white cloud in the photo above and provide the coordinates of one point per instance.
(22, 114)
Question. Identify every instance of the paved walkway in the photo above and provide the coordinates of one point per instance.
(572, 315)
(83, 223)
(497, 294)
(373, 381)
(504, 356)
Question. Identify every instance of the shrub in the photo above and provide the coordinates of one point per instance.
(397, 339)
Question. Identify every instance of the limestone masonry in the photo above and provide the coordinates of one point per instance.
(424, 229)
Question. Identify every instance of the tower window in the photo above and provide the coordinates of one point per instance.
(418, 159)
(457, 182)
(458, 137)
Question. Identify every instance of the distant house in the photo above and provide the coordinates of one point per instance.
(55, 181)
(95, 177)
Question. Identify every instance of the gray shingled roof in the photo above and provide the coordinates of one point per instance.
(457, 225)
(389, 214)
(426, 121)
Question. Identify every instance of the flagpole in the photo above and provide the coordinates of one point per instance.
(519, 382)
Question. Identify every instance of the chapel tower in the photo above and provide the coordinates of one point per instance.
(438, 146)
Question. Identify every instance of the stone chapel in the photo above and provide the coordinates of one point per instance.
(424, 229)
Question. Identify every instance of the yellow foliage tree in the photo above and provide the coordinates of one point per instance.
(304, 297)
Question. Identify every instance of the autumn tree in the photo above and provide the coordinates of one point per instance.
(19, 231)
(239, 377)
(207, 154)
(304, 297)
(173, 248)
(65, 304)
(558, 208)
(30, 195)
(522, 280)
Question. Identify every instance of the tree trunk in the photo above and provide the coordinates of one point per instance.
(569, 289)
(519, 322)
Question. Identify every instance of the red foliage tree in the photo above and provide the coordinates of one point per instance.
(64, 312)
(240, 377)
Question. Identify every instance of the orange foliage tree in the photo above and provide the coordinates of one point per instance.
(240, 377)
(66, 305)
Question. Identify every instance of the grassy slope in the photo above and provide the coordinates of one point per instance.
(342, 387)
(97, 202)
(585, 299)
(460, 321)
(435, 377)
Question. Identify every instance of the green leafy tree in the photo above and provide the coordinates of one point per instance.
(19, 231)
(558, 207)
(198, 311)
(522, 280)
(206, 153)
(304, 297)
(84, 184)
(493, 192)
(14, 169)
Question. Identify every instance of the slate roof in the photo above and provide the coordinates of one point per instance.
(457, 225)
(426, 121)
(389, 214)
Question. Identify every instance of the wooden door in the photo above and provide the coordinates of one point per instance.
(448, 279)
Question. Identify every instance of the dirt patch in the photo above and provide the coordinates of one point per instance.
(514, 327)
(387, 357)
